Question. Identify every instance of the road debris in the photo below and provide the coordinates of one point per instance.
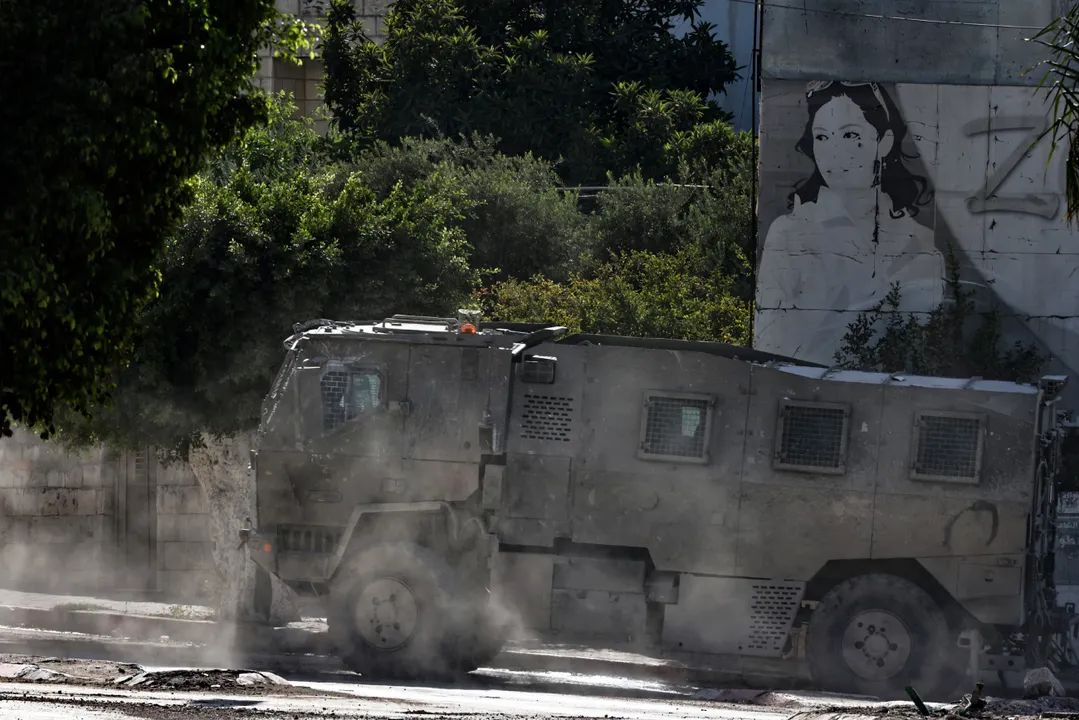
(30, 673)
(201, 680)
(1041, 682)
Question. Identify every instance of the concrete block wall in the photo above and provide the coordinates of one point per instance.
(101, 521)
(56, 516)
(184, 546)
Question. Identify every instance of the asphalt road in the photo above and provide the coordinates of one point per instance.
(323, 692)
(487, 697)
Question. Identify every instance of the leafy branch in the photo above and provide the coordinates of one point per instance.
(951, 342)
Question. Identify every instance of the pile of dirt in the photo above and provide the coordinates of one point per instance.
(28, 668)
(1044, 706)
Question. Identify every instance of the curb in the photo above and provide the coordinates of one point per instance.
(91, 622)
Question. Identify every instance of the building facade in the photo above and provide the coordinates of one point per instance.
(734, 24)
(893, 136)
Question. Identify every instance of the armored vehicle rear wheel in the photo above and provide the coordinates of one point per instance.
(392, 613)
(481, 635)
(875, 634)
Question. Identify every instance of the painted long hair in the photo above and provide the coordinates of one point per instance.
(907, 190)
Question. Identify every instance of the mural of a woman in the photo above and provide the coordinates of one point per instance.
(851, 230)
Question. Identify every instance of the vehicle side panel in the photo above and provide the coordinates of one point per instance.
(685, 513)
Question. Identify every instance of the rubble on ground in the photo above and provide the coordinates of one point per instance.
(26, 668)
(200, 680)
(1041, 682)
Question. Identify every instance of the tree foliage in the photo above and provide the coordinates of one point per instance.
(638, 293)
(273, 237)
(952, 341)
(517, 221)
(712, 214)
(1061, 78)
(599, 85)
(277, 234)
(109, 106)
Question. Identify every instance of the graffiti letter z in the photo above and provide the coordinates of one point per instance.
(1045, 205)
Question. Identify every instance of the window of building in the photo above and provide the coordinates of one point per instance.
(812, 437)
(348, 394)
(676, 427)
(948, 447)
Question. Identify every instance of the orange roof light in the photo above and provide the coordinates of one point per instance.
(467, 329)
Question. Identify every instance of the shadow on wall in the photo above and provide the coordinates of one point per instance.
(868, 184)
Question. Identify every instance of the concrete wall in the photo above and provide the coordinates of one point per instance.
(101, 522)
(184, 544)
(906, 137)
(56, 511)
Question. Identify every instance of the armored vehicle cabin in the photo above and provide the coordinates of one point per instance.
(437, 484)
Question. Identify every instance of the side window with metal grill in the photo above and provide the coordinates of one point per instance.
(812, 437)
(948, 447)
(348, 394)
(676, 427)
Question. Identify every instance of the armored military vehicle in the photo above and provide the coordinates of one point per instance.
(440, 484)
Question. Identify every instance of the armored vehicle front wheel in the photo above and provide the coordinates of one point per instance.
(876, 634)
(392, 613)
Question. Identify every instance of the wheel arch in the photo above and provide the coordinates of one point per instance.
(836, 571)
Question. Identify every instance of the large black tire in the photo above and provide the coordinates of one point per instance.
(481, 634)
(392, 612)
(876, 634)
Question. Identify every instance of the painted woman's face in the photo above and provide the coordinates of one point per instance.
(845, 145)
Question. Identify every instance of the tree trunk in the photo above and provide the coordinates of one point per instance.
(221, 469)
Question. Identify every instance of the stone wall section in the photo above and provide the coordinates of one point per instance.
(56, 516)
(64, 526)
(185, 547)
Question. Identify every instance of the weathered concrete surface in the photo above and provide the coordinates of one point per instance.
(934, 164)
(959, 42)
(56, 510)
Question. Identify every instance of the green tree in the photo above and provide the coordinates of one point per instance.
(953, 340)
(637, 293)
(517, 221)
(109, 106)
(1061, 78)
(711, 211)
(273, 237)
(595, 86)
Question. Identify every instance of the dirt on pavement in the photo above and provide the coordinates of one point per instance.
(31, 670)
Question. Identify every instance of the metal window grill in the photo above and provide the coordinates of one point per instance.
(948, 446)
(307, 538)
(675, 427)
(347, 395)
(812, 436)
(547, 417)
(333, 386)
(538, 369)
